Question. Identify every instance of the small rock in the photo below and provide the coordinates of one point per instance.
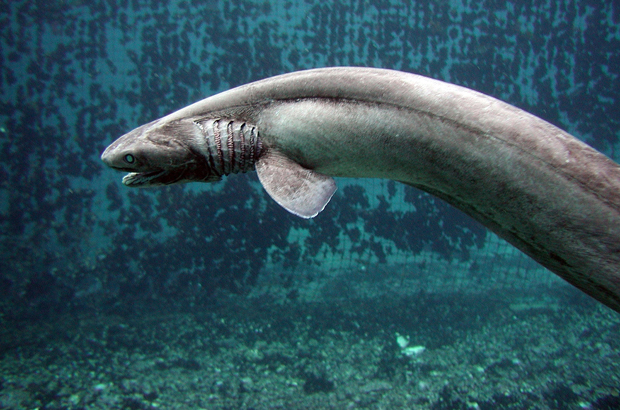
(376, 386)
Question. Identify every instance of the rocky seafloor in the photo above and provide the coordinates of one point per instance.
(469, 352)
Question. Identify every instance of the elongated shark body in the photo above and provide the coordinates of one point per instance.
(544, 191)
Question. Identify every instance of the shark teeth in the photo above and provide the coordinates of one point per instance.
(136, 179)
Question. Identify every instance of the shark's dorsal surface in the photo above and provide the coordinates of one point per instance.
(544, 191)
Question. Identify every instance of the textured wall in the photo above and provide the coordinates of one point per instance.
(74, 75)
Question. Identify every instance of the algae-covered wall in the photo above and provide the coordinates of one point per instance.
(75, 75)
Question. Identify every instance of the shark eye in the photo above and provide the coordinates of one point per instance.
(130, 159)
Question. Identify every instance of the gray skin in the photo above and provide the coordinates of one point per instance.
(547, 193)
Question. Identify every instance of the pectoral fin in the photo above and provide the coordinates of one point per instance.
(300, 191)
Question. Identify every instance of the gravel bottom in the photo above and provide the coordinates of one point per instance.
(453, 352)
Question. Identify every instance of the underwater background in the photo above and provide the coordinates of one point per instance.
(212, 296)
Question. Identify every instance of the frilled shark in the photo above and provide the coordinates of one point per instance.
(544, 191)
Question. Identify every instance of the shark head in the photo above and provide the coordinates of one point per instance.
(160, 153)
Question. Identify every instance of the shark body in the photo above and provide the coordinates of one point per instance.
(544, 191)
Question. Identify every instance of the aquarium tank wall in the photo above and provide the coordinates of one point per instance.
(75, 76)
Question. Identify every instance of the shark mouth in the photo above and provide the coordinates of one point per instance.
(153, 178)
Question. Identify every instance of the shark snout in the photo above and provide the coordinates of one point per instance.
(105, 156)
